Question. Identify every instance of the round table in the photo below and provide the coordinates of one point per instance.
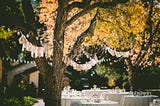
(131, 100)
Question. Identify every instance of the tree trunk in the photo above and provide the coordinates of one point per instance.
(52, 75)
(131, 73)
(53, 89)
(54, 80)
(132, 79)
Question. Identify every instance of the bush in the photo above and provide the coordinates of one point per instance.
(13, 101)
(29, 101)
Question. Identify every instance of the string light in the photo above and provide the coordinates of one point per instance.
(18, 33)
(27, 35)
(17, 60)
(37, 38)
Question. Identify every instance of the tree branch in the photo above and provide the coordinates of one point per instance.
(77, 5)
(146, 46)
(128, 63)
(90, 31)
(91, 7)
(29, 14)
(30, 19)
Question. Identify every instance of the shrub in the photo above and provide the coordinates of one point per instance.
(13, 101)
(29, 101)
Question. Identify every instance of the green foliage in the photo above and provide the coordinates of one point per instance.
(29, 101)
(152, 70)
(10, 47)
(12, 13)
(13, 101)
(22, 86)
(4, 34)
(106, 71)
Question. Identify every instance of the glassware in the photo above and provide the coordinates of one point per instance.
(107, 98)
(151, 104)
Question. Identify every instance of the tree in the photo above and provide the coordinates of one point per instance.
(125, 27)
(132, 30)
(53, 76)
(145, 54)
(64, 15)
(10, 19)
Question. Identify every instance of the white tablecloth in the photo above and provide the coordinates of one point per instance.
(116, 96)
(104, 103)
(111, 94)
(131, 100)
(69, 100)
(96, 92)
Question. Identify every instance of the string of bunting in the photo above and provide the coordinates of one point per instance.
(116, 53)
(42, 51)
(86, 66)
(35, 51)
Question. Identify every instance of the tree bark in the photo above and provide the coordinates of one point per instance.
(53, 88)
(54, 78)
(131, 74)
(132, 79)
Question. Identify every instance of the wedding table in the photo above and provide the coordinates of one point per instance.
(94, 92)
(70, 95)
(69, 100)
(155, 102)
(72, 99)
(116, 96)
(131, 100)
(103, 103)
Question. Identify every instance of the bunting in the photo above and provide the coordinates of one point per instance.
(35, 51)
(116, 53)
(46, 51)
